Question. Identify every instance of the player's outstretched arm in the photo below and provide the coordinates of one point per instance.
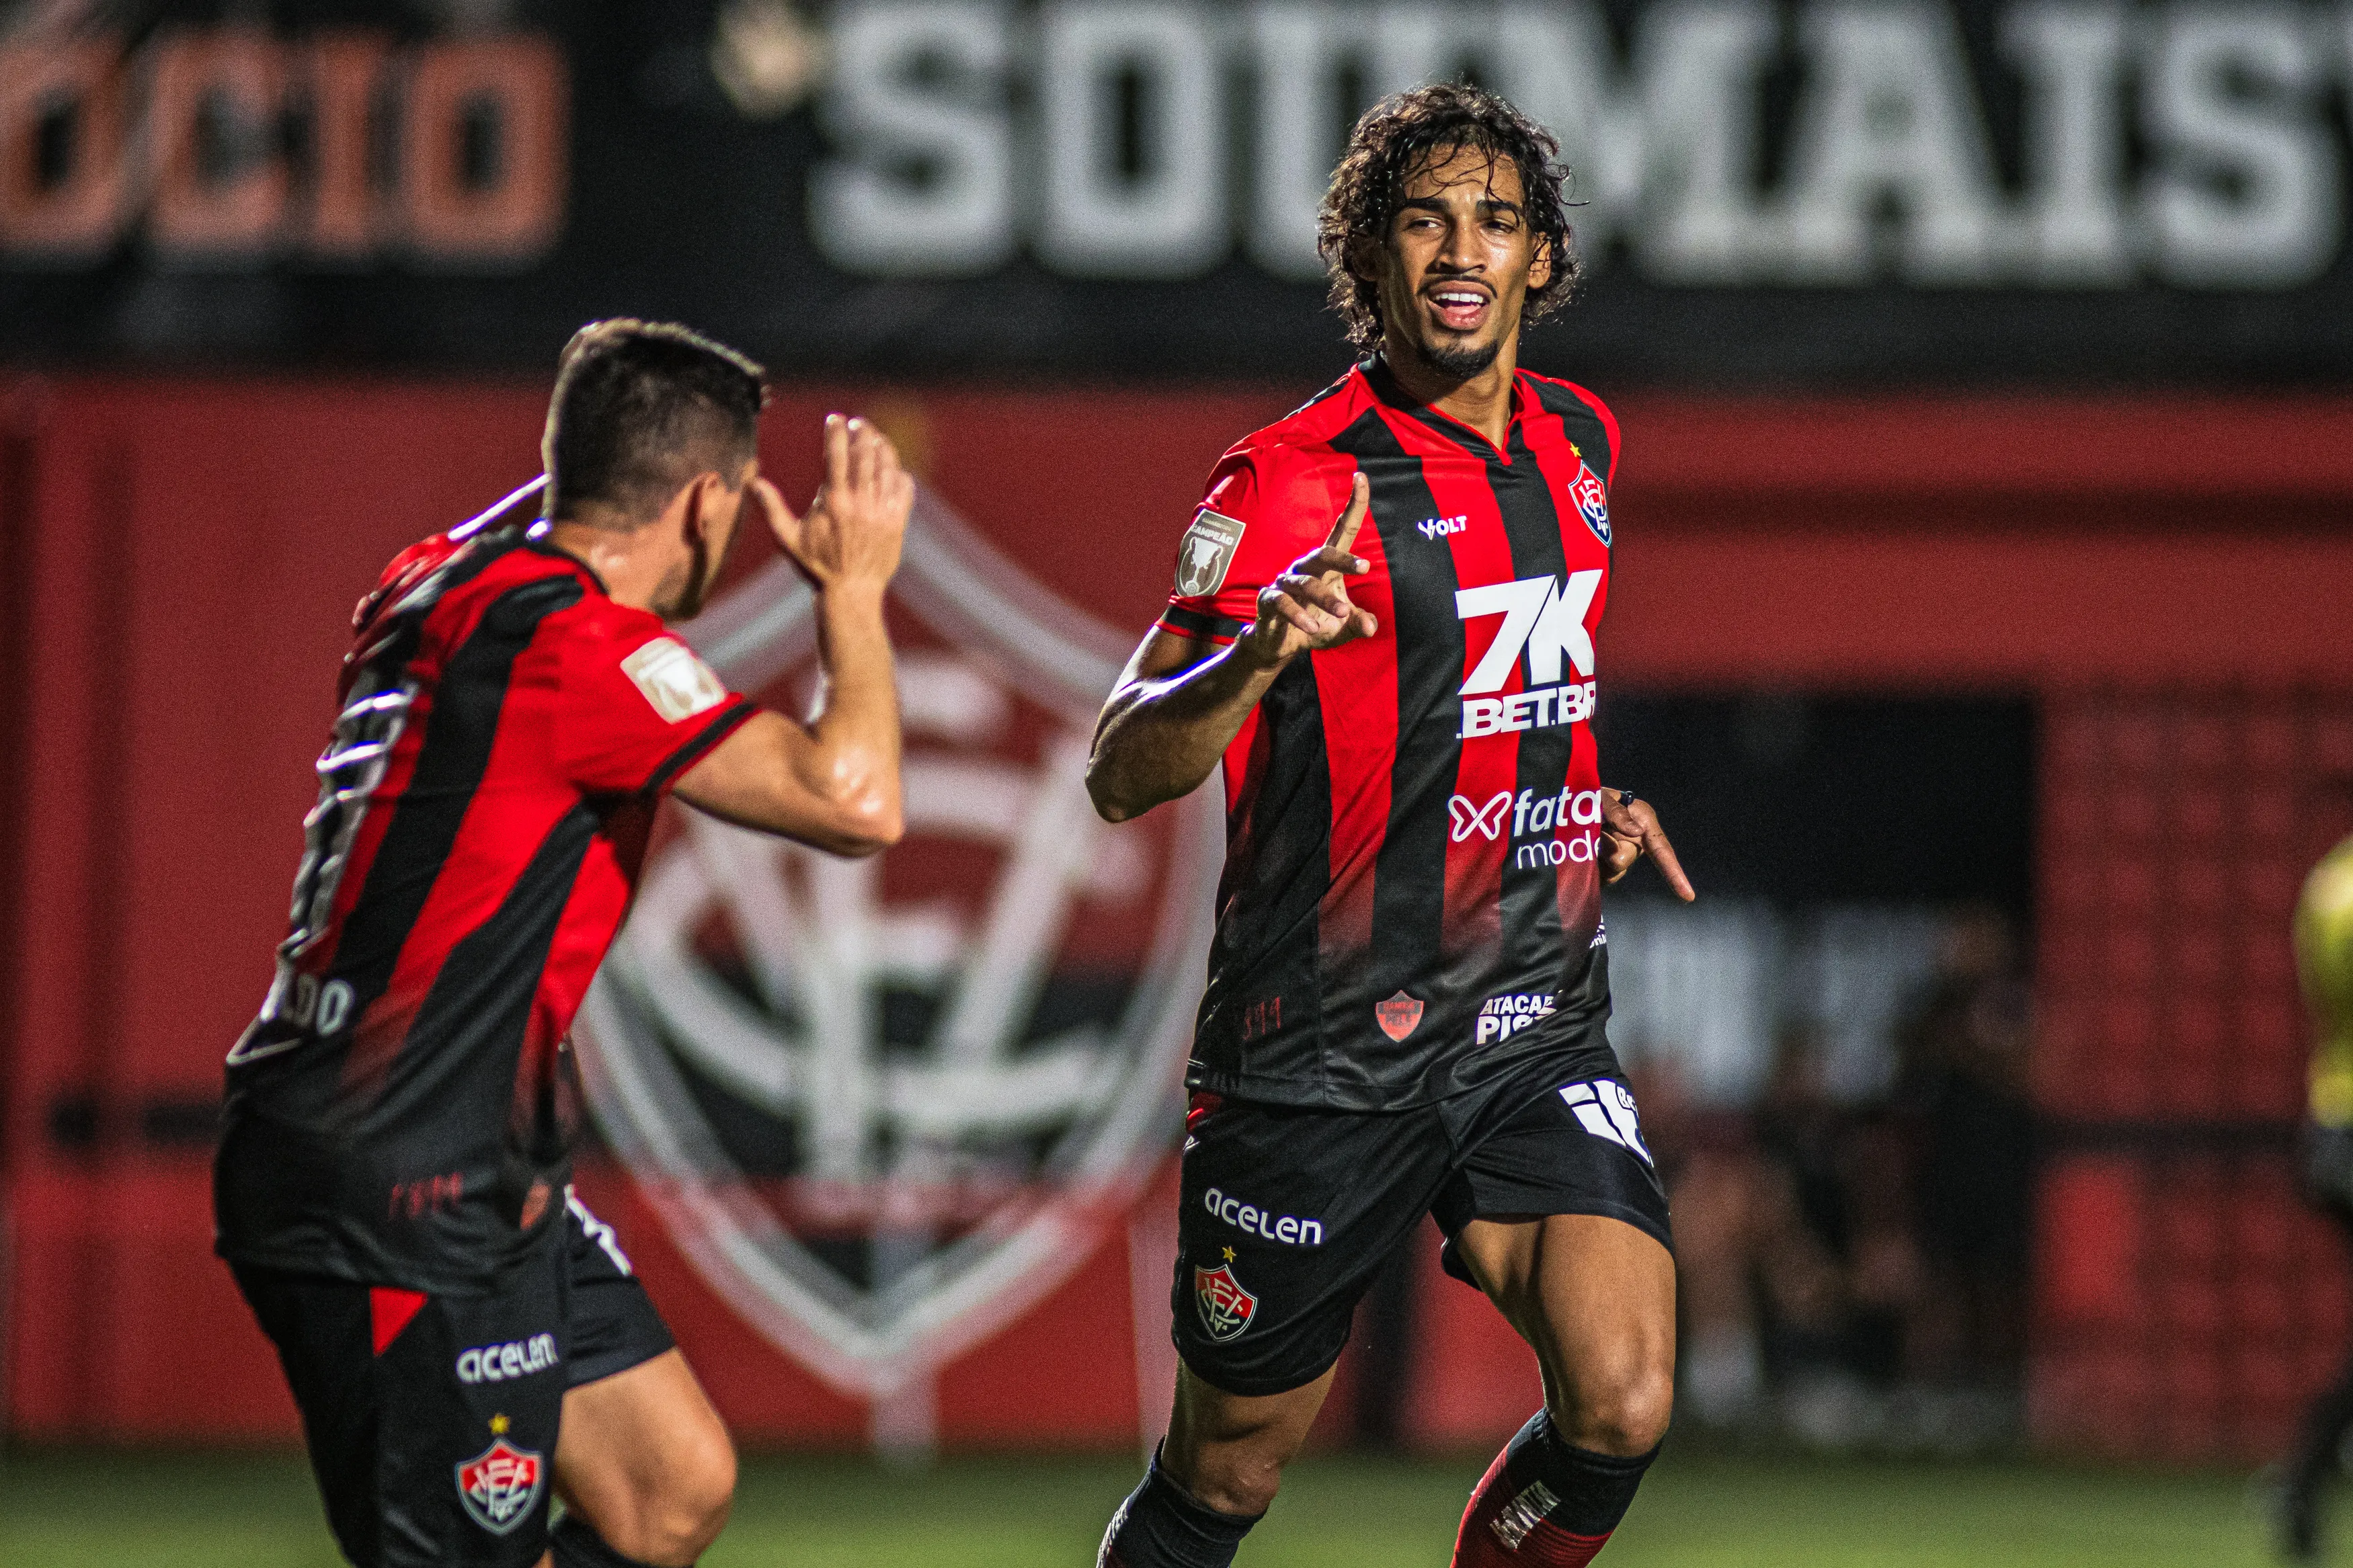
(1181, 699)
(833, 784)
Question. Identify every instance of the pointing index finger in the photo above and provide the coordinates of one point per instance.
(1352, 519)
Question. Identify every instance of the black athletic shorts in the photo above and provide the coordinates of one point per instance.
(431, 1420)
(1287, 1214)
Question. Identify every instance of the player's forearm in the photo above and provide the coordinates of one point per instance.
(1159, 738)
(856, 757)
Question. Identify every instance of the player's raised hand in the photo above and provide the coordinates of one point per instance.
(1308, 607)
(853, 531)
(1630, 830)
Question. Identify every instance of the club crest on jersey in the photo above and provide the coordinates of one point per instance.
(961, 1066)
(1206, 552)
(500, 1485)
(1592, 501)
(1226, 1307)
(1398, 1016)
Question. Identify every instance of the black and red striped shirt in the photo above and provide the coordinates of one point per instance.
(401, 1112)
(1410, 905)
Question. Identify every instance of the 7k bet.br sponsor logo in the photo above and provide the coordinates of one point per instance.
(1543, 619)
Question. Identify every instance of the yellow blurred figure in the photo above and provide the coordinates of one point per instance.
(2324, 962)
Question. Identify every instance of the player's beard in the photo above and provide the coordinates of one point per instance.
(1460, 362)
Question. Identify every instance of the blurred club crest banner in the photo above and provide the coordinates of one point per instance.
(885, 1106)
(1768, 191)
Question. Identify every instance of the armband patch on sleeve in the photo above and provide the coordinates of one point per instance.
(676, 683)
(1205, 553)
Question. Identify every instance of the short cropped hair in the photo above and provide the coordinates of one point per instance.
(639, 409)
(1403, 136)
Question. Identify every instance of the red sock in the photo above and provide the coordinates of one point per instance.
(1544, 1504)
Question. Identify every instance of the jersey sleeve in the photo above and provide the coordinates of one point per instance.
(637, 708)
(1265, 507)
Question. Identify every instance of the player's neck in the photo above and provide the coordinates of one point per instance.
(631, 565)
(1481, 400)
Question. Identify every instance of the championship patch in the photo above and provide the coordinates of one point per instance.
(500, 1485)
(1398, 1016)
(1226, 1307)
(1592, 501)
(676, 683)
(1206, 552)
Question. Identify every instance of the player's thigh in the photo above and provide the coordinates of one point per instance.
(645, 1455)
(1558, 1215)
(1285, 1216)
(1594, 1296)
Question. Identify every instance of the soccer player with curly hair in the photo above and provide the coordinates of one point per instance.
(1409, 982)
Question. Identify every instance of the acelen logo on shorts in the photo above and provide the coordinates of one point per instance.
(516, 1358)
(1544, 618)
(1288, 1230)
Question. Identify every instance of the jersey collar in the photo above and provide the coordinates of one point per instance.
(1383, 384)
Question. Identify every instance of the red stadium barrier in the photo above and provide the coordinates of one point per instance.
(183, 553)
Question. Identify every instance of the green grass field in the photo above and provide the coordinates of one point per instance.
(102, 1511)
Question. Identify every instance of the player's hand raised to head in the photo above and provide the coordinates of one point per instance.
(1308, 607)
(1630, 830)
(852, 532)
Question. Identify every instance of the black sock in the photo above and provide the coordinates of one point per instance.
(577, 1545)
(1162, 1525)
(1596, 1488)
(1545, 1502)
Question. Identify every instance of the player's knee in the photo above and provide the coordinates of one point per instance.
(676, 1521)
(702, 1494)
(1624, 1414)
(1240, 1484)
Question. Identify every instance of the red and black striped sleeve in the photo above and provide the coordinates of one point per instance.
(637, 708)
(1265, 506)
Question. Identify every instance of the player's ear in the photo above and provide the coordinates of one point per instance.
(694, 522)
(1363, 253)
(1540, 266)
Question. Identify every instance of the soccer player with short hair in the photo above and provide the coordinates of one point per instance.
(465, 1339)
(1409, 979)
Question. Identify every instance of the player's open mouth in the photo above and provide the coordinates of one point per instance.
(1460, 307)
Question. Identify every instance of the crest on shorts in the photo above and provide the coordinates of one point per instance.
(1398, 1016)
(500, 1485)
(1592, 501)
(1206, 552)
(884, 1107)
(1226, 1307)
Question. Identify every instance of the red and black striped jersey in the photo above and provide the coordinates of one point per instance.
(1411, 904)
(401, 1112)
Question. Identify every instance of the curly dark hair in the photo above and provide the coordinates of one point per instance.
(1401, 136)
